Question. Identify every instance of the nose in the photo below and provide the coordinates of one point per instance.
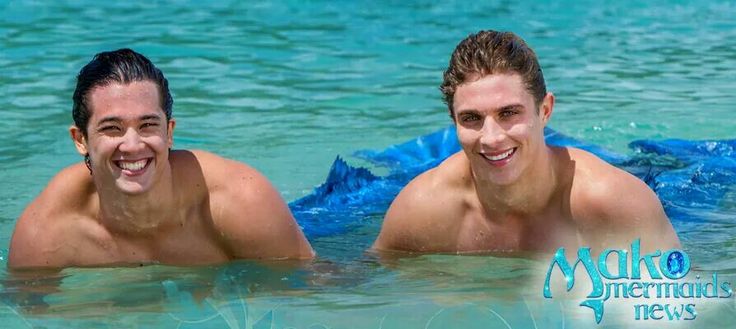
(492, 133)
(131, 142)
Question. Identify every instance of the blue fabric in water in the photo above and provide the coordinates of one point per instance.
(692, 178)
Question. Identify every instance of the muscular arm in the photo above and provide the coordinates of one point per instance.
(416, 220)
(249, 213)
(29, 246)
(43, 237)
(627, 209)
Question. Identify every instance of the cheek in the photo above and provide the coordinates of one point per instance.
(520, 130)
(466, 137)
(158, 142)
(100, 146)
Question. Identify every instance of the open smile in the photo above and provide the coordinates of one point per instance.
(133, 168)
(500, 159)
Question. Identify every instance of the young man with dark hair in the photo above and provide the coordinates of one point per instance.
(507, 190)
(133, 200)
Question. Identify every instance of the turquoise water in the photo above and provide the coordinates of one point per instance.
(288, 86)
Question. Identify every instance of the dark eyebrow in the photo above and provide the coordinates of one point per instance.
(109, 119)
(515, 106)
(511, 107)
(118, 119)
(467, 111)
(150, 117)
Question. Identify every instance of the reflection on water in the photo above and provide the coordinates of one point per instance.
(435, 291)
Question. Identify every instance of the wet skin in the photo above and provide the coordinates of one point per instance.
(508, 191)
(146, 204)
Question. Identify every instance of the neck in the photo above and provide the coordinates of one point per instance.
(527, 196)
(140, 213)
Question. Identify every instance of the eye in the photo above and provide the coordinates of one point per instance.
(507, 113)
(469, 117)
(149, 125)
(108, 129)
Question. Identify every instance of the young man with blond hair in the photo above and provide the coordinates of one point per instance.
(507, 190)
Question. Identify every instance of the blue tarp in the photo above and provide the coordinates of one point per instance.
(691, 178)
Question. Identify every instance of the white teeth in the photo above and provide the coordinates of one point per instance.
(133, 166)
(500, 156)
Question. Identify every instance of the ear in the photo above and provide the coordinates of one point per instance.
(170, 132)
(80, 142)
(545, 109)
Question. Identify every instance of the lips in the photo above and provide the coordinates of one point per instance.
(133, 167)
(499, 159)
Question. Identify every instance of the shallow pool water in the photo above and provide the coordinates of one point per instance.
(288, 86)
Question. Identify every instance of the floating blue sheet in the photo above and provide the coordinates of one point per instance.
(691, 177)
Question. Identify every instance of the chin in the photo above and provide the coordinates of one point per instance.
(500, 181)
(131, 189)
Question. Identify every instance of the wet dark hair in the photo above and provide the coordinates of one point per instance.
(120, 66)
(492, 52)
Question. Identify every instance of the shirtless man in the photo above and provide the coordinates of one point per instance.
(507, 190)
(133, 200)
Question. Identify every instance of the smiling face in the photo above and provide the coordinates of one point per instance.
(499, 126)
(128, 137)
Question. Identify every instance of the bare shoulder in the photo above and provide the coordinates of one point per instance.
(228, 181)
(249, 212)
(216, 169)
(602, 189)
(610, 201)
(421, 216)
(45, 232)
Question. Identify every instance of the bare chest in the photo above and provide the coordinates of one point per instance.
(542, 232)
(192, 242)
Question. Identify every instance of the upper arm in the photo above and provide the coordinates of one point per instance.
(632, 211)
(251, 215)
(33, 246)
(414, 218)
(396, 227)
(24, 245)
(41, 237)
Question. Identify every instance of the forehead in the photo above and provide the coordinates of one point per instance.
(492, 91)
(121, 98)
